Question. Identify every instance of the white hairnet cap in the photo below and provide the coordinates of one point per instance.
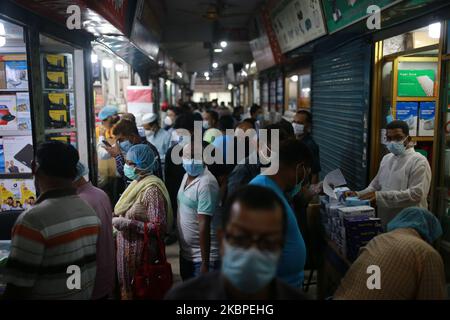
(149, 118)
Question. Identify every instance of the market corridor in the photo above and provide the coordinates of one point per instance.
(224, 150)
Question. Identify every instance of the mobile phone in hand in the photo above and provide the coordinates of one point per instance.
(106, 143)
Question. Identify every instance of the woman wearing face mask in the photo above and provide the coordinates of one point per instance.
(403, 179)
(146, 200)
(160, 138)
(294, 160)
(197, 216)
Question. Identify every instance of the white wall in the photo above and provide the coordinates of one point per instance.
(220, 96)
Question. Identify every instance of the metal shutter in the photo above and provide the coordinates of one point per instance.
(340, 109)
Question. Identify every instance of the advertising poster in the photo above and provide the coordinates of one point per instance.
(23, 111)
(18, 153)
(16, 74)
(409, 112)
(55, 62)
(17, 194)
(342, 13)
(427, 119)
(261, 49)
(297, 22)
(8, 113)
(139, 101)
(416, 83)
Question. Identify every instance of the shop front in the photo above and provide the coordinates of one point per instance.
(45, 95)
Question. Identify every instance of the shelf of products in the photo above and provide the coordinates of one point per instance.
(16, 135)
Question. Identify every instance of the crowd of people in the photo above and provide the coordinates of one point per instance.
(241, 232)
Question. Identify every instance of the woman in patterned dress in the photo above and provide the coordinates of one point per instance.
(146, 200)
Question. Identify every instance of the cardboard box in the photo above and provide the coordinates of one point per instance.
(16, 74)
(426, 119)
(409, 112)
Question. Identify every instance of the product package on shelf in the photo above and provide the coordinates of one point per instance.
(57, 106)
(409, 112)
(56, 79)
(8, 112)
(2, 75)
(16, 74)
(2, 157)
(17, 194)
(426, 119)
(55, 62)
(23, 111)
(359, 231)
(18, 153)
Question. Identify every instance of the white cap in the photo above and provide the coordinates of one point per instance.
(149, 118)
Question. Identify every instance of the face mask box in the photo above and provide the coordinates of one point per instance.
(427, 119)
(356, 211)
(408, 112)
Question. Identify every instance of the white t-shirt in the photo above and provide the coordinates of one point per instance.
(200, 197)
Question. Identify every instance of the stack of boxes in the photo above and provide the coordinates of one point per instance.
(349, 227)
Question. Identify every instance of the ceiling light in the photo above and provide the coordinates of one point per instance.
(207, 78)
(223, 44)
(230, 86)
(179, 74)
(218, 50)
(215, 65)
(206, 74)
(168, 83)
(94, 58)
(247, 66)
(2, 29)
(107, 63)
(434, 30)
(294, 78)
(253, 65)
(2, 41)
(119, 67)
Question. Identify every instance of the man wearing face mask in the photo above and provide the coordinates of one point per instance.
(403, 179)
(157, 136)
(294, 160)
(171, 115)
(251, 241)
(302, 129)
(127, 135)
(197, 216)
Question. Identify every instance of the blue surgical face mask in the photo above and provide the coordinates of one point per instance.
(125, 145)
(299, 185)
(249, 270)
(193, 167)
(397, 147)
(130, 172)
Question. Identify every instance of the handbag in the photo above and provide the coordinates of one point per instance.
(152, 280)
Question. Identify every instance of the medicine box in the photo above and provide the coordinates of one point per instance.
(427, 119)
(409, 112)
(356, 211)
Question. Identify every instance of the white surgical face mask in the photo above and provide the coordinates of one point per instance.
(299, 129)
(168, 121)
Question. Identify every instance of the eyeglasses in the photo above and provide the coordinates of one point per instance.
(262, 242)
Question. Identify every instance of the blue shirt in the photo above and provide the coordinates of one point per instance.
(292, 261)
(161, 140)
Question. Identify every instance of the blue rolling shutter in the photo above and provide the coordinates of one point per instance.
(340, 108)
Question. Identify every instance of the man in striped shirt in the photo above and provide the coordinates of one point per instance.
(53, 245)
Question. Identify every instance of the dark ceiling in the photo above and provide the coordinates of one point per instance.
(191, 30)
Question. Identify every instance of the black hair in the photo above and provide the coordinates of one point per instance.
(185, 121)
(10, 198)
(307, 114)
(282, 134)
(197, 116)
(398, 124)
(287, 127)
(226, 122)
(126, 128)
(175, 110)
(57, 159)
(214, 115)
(251, 121)
(293, 151)
(254, 197)
(254, 108)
